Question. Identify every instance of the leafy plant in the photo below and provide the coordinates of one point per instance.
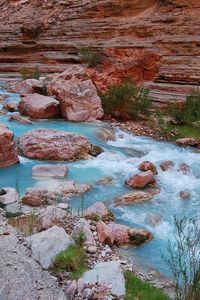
(127, 100)
(184, 259)
(79, 239)
(162, 125)
(90, 56)
(30, 73)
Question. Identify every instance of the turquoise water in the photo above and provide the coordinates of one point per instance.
(119, 160)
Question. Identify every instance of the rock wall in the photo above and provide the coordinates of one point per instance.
(154, 41)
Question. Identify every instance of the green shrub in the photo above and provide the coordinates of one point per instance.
(30, 73)
(137, 289)
(127, 99)
(73, 260)
(163, 126)
(183, 259)
(90, 56)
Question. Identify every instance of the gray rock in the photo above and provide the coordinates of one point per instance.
(71, 188)
(47, 244)
(10, 196)
(70, 290)
(108, 274)
(50, 214)
(63, 205)
(83, 226)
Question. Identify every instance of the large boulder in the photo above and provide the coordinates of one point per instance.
(121, 235)
(47, 244)
(38, 196)
(8, 152)
(77, 95)
(38, 106)
(108, 274)
(49, 144)
(141, 180)
(49, 171)
(8, 196)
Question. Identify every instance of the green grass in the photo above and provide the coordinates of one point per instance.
(136, 289)
(188, 131)
(73, 260)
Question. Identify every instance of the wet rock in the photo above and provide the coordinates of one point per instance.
(147, 165)
(108, 274)
(185, 195)
(49, 171)
(95, 150)
(37, 197)
(96, 211)
(134, 152)
(8, 151)
(83, 227)
(105, 180)
(166, 165)
(18, 118)
(71, 188)
(141, 180)
(38, 106)
(8, 196)
(184, 168)
(77, 95)
(153, 220)
(50, 214)
(106, 134)
(49, 144)
(47, 244)
(186, 142)
(11, 106)
(134, 197)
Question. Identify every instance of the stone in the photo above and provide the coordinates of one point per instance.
(71, 188)
(153, 220)
(39, 107)
(49, 171)
(20, 119)
(80, 285)
(47, 244)
(95, 150)
(105, 180)
(77, 95)
(33, 28)
(106, 134)
(11, 106)
(27, 86)
(108, 274)
(186, 142)
(133, 197)
(98, 210)
(166, 165)
(92, 249)
(50, 214)
(184, 168)
(83, 227)
(49, 144)
(38, 196)
(147, 165)
(141, 180)
(185, 195)
(21, 277)
(64, 206)
(104, 233)
(10, 196)
(71, 290)
(8, 151)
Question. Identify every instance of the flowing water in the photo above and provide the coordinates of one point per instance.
(119, 160)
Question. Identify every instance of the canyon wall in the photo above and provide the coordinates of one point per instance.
(157, 42)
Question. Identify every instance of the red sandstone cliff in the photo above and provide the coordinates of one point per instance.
(157, 44)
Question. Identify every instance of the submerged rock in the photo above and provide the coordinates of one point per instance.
(77, 95)
(49, 171)
(133, 197)
(18, 118)
(184, 168)
(147, 165)
(141, 180)
(47, 244)
(108, 274)
(166, 165)
(153, 220)
(8, 151)
(38, 106)
(185, 195)
(49, 144)
(105, 180)
(106, 134)
(11, 106)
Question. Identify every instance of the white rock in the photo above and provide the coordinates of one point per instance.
(49, 171)
(11, 196)
(108, 274)
(47, 244)
(63, 205)
(50, 214)
(83, 226)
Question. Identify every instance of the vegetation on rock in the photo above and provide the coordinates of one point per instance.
(30, 73)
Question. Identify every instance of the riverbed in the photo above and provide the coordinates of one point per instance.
(119, 160)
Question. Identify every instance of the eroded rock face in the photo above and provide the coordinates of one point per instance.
(38, 106)
(141, 180)
(8, 152)
(49, 144)
(77, 95)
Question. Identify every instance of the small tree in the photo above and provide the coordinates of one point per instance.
(183, 259)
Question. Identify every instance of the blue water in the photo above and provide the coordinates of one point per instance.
(119, 161)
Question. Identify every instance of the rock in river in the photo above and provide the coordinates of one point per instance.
(49, 144)
(49, 171)
(141, 180)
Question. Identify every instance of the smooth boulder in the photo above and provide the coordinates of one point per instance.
(49, 171)
(49, 144)
(98, 210)
(77, 95)
(141, 180)
(10, 196)
(38, 106)
(146, 166)
(134, 197)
